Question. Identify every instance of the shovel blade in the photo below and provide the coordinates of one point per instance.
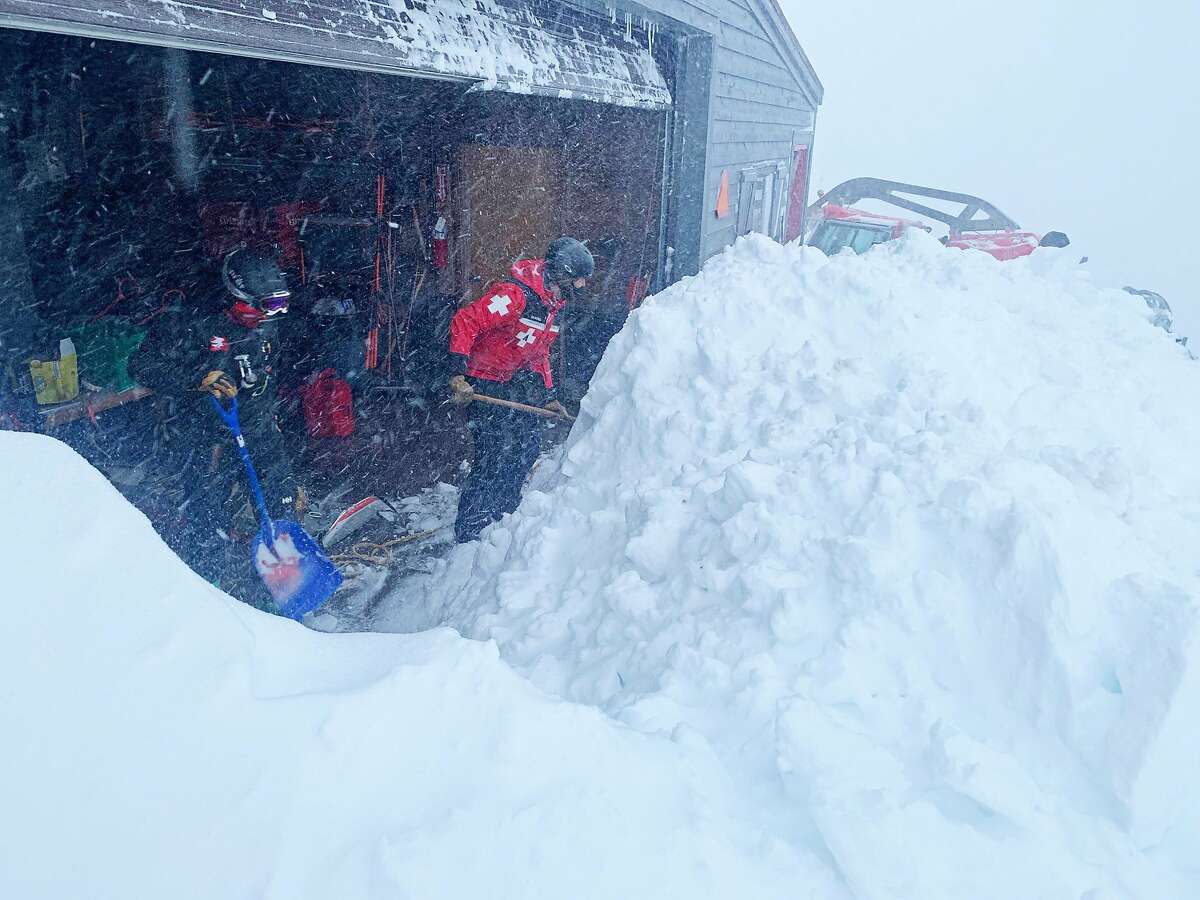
(298, 574)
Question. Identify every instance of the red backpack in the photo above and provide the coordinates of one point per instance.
(328, 406)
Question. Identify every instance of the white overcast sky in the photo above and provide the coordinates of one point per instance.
(1076, 115)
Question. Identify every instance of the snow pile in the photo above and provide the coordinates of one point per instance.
(162, 740)
(887, 562)
(909, 541)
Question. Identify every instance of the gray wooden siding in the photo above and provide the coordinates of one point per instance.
(759, 107)
(759, 110)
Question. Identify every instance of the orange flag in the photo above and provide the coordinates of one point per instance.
(723, 196)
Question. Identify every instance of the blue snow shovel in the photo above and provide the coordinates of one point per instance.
(291, 564)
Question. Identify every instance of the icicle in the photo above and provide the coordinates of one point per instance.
(179, 109)
(629, 26)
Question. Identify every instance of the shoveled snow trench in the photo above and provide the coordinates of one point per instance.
(868, 577)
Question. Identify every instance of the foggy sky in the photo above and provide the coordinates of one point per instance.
(1070, 115)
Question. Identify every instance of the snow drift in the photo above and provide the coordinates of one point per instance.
(162, 740)
(870, 577)
(908, 541)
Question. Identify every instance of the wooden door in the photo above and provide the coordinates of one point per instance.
(509, 206)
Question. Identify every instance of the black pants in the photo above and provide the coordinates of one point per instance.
(507, 443)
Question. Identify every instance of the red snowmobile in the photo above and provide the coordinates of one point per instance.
(834, 223)
(972, 223)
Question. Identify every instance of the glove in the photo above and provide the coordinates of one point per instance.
(218, 384)
(556, 407)
(461, 391)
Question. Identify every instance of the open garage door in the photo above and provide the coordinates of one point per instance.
(520, 46)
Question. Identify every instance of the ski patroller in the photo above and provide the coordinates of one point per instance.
(299, 576)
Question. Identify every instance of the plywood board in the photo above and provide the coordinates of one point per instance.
(510, 207)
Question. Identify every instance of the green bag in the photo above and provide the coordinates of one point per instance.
(104, 348)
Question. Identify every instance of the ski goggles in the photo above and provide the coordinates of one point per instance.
(275, 304)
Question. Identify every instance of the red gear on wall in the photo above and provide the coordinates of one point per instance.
(328, 404)
(508, 329)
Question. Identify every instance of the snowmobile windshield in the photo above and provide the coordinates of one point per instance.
(833, 237)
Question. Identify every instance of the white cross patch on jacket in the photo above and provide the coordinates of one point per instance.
(500, 305)
(525, 338)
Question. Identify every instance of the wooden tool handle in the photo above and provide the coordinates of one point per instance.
(523, 407)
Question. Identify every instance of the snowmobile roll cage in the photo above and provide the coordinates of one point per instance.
(898, 194)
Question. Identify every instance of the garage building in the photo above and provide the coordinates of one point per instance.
(396, 155)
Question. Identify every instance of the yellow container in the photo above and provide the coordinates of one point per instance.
(56, 380)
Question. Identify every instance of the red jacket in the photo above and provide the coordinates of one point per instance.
(508, 329)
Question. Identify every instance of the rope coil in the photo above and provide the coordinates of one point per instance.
(379, 553)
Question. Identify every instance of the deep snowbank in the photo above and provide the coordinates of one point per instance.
(161, 740)
(909, 540)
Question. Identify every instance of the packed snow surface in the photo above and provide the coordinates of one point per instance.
(163, 740)
(908, 542)
(870, 577)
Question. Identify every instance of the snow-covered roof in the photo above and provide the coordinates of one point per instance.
(521, 46)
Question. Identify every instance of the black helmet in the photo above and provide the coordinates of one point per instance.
(256, 279)
(567, 259)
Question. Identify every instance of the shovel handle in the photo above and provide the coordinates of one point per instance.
(230, 416)
(523, 407)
